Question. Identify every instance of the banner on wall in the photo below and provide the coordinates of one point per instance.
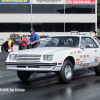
(80, 1)
(14, 1)
(48, 1)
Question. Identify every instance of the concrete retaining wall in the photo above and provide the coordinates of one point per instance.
(0, 48)
(3, 57)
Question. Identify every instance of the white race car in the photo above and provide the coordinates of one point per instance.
(59, 54)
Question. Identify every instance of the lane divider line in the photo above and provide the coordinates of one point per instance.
(1, 69)
(4, 69)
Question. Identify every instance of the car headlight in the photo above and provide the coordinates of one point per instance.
(12, 57)
(48, 57)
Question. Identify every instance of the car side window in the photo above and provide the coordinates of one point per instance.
(88, 42)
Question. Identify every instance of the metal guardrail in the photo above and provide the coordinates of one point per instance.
(3, 57)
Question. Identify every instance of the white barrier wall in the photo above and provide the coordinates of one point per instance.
(0, 48)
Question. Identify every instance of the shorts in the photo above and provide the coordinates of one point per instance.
(4, 49)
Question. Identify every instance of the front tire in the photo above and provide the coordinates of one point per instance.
(66, 72)
(23, 75)
(97, 70)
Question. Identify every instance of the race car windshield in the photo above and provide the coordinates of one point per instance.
(60, 42)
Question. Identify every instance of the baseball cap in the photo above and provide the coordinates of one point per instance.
(14, 40)
(31, 30)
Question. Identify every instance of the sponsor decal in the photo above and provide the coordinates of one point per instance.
(80, 65)
(75, 52)
(77, 62)
(95, 50)
(84, 60)
(14, 1)
(77, 59)
(86, 64)
(97, 59)
(81, 56)
(53, 67)
(81, 62)
(84, 56)
(80, 1)
(83, 65)
(88, 55)
(48, 1)
(71, 53)
(79, 51)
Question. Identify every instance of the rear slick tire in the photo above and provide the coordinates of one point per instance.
(66, 72)
(23, 75)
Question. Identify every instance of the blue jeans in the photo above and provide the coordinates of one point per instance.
(24, 47)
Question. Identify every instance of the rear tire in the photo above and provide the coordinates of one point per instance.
(97, 70)
(23, 75)
(66, 72)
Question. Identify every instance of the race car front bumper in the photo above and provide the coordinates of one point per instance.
(36, 67)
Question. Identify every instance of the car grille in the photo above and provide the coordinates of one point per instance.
(28, 57)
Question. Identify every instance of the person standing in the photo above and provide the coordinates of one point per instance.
(34, 38)
(7, 45)
(24, 42)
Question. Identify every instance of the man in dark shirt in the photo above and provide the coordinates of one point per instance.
(7, 45)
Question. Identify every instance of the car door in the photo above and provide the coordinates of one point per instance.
(90, 52)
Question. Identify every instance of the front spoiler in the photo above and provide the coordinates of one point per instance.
(35, 67)
(30, 63)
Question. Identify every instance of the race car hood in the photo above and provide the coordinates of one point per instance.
(43, 50)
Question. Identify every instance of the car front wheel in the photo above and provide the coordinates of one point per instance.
(97, 70)
(66, 72)
(23, 75)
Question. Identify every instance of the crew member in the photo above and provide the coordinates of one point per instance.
(7, 45)
(34, 38)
